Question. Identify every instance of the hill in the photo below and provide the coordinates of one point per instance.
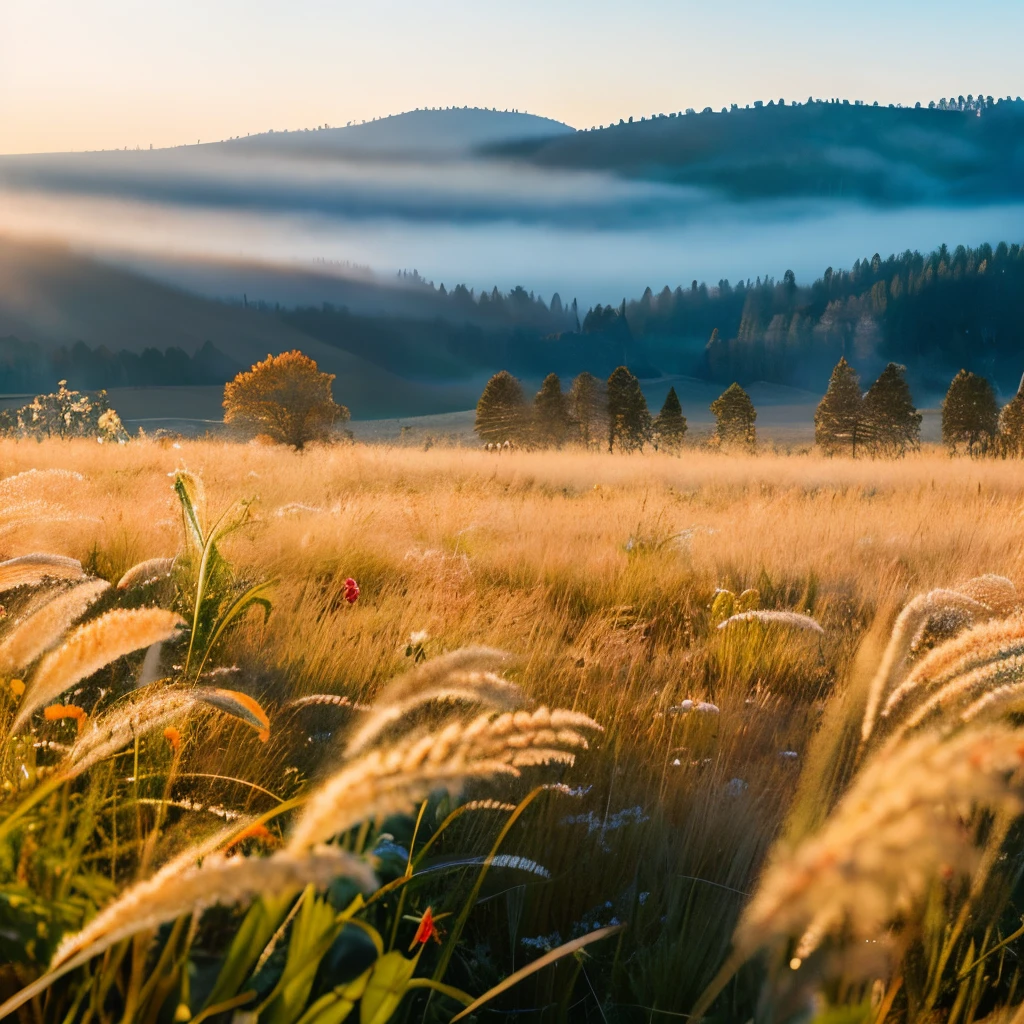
(416, 133)
(886, 155)
(93, 316)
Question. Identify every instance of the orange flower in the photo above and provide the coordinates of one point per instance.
(17, 687)
(260, 832)
(427, 930)
(56, 712)
(173, 736)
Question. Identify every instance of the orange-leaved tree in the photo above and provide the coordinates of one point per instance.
(286, 398)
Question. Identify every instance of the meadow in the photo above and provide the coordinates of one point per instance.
(604, 578)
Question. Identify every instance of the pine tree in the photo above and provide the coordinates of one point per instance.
(970, 415)
(629, 422)
(735, 414)
(891, 423)
(588, 410)
(839, 420)
(670, 425)
(550, 414)
(1011, 426)
(501, 411)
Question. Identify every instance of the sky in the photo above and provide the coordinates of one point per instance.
(114, 73)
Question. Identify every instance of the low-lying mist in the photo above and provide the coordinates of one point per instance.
(587, 235)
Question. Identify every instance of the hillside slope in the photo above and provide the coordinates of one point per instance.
(884, 155)
(415, 133)
(51, 296)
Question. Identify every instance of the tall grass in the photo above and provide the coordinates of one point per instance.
(599, 573)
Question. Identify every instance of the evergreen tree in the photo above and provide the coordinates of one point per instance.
(839, 420)
(629, 421)
(1011, 426)
(891, 423)
(670, 425)
(970, 415)
(735, 414)
(550, 414)
(501, 411)
(588, 409)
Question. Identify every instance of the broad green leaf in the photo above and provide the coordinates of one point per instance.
(334, 1007)
(388, 984)
(256, 930)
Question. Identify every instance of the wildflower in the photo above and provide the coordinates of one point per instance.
(17, 687)
(427, 930)
(173, 736)
(56, 712)
(351, 591)
(259, 832)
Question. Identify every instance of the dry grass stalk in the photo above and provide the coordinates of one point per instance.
(792, 620)
(38, 631)
(146, 572)
(899, 827)
(910, 623)
(963, 687)
(483, 688)
(461, 675)
(335, 699)
(972, 649)
(179, 888)
(92, 646)
(392, 780)
(997, 592)
(31, 570)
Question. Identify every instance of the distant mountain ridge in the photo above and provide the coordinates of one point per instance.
(415, 133)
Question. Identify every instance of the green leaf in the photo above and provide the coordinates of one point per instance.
(388, 984)
(256, 930)
(334, 1007)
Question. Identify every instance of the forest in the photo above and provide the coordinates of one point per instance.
(936, 313)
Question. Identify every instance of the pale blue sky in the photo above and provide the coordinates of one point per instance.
(114, 73)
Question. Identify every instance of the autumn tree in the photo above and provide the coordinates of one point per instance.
(629, 421)
(285, 398)
(970, 415)
(670, 424)
(892, 425)
(588, 409)
(1011, 426)
(839, 420)
(550, 414)
(501, 413)
(735, 415)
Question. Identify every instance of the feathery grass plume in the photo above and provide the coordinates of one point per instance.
(38, 631)
(909, 625)
(146, 572)
(899, 827)
(18, 481)
(997, 592)
(794, 620)
(327, 698)
(89, 648)
(392, 780)
(178, 889)
(31, 570)
(963, 687)
(989, 641)
(462, 675)
(156, 709)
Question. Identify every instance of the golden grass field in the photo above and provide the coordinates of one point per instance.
(597, 574)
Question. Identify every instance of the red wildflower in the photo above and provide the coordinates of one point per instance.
(173, 736)
(427, 930)
(351, 590)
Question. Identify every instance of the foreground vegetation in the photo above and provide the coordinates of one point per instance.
(640, 592)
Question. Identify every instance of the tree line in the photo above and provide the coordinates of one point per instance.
(882, 421)
(599, 414)
(25, 367)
